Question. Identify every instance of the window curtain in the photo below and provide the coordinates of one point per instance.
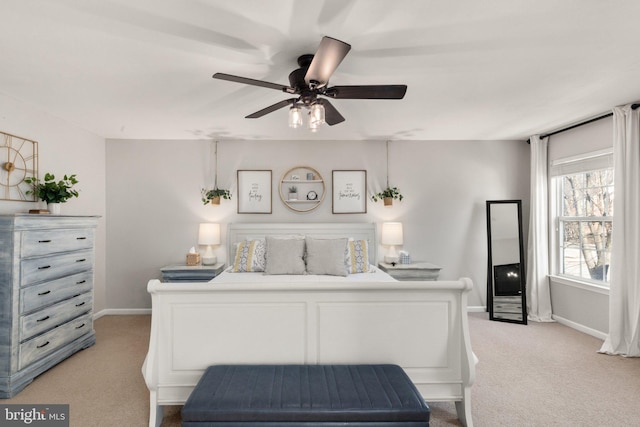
(624, 292)
(538, 291)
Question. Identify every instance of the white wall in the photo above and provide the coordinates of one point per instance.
(154, 207)
(64, 149)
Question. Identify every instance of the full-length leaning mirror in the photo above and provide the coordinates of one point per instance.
(506, 295)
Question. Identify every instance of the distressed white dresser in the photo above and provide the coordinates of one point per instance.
(46, 294)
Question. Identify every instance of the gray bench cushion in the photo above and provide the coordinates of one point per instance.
(305, 395)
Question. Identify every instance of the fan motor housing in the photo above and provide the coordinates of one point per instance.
(297, 80)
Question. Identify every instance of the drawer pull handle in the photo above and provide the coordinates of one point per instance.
(81, 260)
(81, 326)
(43, 319)
(42, 345)
(81, 304)
(44, 241)
(81, 238)
(81, 282)
(44, 293)
(44, 267)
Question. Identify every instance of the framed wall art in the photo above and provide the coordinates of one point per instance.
(349, 191)
(254, 191)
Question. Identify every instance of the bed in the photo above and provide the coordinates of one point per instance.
(259, 318)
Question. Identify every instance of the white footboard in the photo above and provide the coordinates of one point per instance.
(421, 326)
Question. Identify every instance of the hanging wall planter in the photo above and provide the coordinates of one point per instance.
(388, 196)
(214, 196)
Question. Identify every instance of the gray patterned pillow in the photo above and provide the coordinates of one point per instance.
(326, 256)
(285, 256)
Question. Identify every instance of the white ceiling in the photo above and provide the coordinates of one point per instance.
(492, 69)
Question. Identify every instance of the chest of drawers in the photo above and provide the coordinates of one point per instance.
(46, 294)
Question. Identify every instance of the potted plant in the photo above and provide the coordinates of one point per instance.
(53, 192)
(293, 193)
(213, 196)
(387, 195)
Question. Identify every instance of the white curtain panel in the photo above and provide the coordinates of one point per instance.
(624, 292)
(538, 292)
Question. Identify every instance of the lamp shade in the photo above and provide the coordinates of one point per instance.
(391, 233)
(209, 234)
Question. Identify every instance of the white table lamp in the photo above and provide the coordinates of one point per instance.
(209, 235)
(392, 237)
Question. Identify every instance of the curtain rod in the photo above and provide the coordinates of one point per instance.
(595, 119)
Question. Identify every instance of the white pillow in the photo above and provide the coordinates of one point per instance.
(285, 256)
(250, 256)
(326, 256)
(357, 256)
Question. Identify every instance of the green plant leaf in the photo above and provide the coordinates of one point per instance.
(51, 191)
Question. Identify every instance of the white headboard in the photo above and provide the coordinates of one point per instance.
(359, 231)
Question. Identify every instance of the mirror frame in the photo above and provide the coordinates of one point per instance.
(523, 280)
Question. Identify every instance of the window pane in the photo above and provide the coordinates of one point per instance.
(573, 195)
(586, 259)
(571, 233)
(584, 242)
(598, 193)
(571, 261)
(608, 230)
(608, 201)
(595, 202)
(596, 266)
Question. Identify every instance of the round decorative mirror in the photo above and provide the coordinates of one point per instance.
(302, 189)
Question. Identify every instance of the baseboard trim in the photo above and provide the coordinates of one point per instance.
(121, 312)
(579, 327)
(477, 309)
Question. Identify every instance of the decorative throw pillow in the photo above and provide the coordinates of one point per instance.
(357, 256)
(250, 257)
(326, 256)
(285, 256)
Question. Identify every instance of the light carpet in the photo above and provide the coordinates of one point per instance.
(542, 374)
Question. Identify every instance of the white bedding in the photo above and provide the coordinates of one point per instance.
(374, 275)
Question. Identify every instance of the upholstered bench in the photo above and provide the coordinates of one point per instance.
(305, 395)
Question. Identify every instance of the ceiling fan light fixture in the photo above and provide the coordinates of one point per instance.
(310, 81)
(295, 117)
(316, 117)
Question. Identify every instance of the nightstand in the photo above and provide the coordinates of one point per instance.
(413, 271)
(191, 273)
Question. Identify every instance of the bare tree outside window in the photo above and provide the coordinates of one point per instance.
(586, 224)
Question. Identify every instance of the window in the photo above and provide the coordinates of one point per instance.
(584, 220)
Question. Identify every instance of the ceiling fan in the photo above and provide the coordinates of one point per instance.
(310, 81)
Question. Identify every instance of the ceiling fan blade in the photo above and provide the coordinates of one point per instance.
(271, 108)
(331, 115)
(247, 81)
(329, 55)
(367, 92)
